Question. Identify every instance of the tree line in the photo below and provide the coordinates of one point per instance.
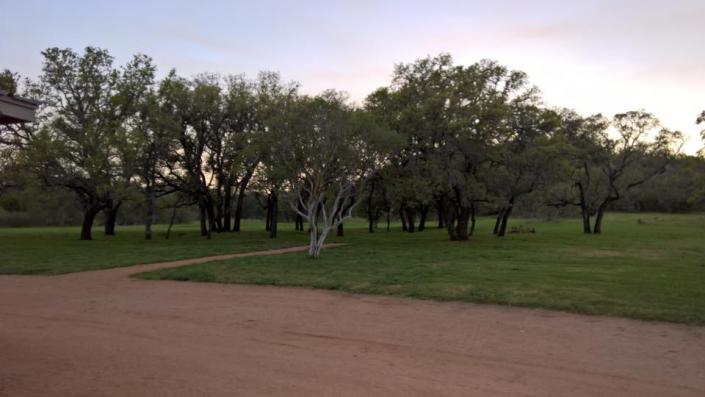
(442, 141)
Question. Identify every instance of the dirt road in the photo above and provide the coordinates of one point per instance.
(103, 334)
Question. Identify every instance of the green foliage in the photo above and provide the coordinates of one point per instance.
(8, 82)
(77, 142)
(467, 140)
(701, 119)
(326, 150)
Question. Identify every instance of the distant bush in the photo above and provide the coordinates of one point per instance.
(522, 229)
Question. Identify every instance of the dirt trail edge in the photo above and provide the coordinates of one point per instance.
(148, 267)
(102, 333)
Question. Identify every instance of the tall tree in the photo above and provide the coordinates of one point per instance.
(133, 92)
(271, 96)
(609, 162)
(414, 106)
(84, 105)
(527, 158)
(633, 158)
(328, 150)
(186, 107)
(583, 154)
(700, 120)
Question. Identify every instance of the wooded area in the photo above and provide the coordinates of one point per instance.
(443, 143)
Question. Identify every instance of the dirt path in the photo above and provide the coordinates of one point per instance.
(103, 334)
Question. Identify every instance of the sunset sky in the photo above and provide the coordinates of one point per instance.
(592, 56)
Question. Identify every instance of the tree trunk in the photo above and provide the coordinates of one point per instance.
(171, 221)
(320, 241)
(441, 215)
(505, 218)
(299, 227)
(450, 218)
(370, 212)
(410, 215)
(273, 214)
(584, 209)
(313, 237)
(87, 224)
(341, 231)
(586, 219)
(599, 217)
(402, 217)
(389, 215)
(462, 225)
(217, 216)
(212, 221)
(149, 211)
(203, 212)
(500, 215)
(111, 212)
(422, 220)
(268, 218)
(227, 208)
(240, 200)
(472, 219)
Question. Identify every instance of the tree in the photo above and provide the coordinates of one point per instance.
(607, 165)
(701, 119)
(270, 97)
(86, 101)
(8, 82)
(583, 154)
(148, 147)
(186, 108)
(133, 99)
(452, 118)
(527, 158)
(413, 106)
(328, 149)
(631, 158)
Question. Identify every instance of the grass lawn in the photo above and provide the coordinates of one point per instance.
(651, 269)
(57, 250)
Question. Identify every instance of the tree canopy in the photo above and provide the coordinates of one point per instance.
(441, 140)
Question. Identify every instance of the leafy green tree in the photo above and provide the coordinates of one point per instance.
(583, 154)
(134, 93)
(273, 98)
(270, 96)
(8, 82)
(700, 120)
(453, 118)
(327, 149)
(528, 158)
(414, 105)
(148, 145)
(632, 158)
(182, 104)
(608, 164)
(86, 101)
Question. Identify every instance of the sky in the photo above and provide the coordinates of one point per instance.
(594, 56)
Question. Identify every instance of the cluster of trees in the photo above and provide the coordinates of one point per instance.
(478, 139)
(442, 141)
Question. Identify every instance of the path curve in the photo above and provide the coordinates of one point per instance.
(117, 272)
(102, 333)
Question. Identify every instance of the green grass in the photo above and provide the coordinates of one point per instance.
(57, 250)
(653, 270)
